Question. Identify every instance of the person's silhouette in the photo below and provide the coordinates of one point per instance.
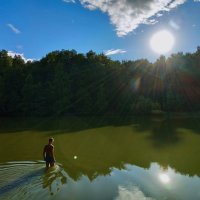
(48, 153)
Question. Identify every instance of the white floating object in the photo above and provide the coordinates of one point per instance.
(75, 157)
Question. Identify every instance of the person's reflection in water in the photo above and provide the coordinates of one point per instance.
(48, 153)
(53, 179)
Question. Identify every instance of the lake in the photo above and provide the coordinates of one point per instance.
(101, 158)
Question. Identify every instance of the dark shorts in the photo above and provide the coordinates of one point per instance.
(49, 159)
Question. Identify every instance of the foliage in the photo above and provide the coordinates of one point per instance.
(65, 82)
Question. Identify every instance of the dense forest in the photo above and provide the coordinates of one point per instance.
(66, 82)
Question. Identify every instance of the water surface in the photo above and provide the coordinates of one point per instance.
(99, 158)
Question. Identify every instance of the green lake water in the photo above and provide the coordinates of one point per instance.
(98, 158)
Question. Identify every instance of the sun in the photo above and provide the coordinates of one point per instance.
(162, 42)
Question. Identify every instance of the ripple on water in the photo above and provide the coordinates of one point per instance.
(29, 180)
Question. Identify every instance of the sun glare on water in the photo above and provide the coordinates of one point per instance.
(164, 178)
(162, 42)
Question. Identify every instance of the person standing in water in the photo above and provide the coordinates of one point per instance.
(48, 153)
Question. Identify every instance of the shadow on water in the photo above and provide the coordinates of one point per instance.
(57, 125)
(163, 129)
(165, 134)
(136, 141)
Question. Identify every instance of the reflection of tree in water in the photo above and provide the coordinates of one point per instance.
(53, 179)
(164, 133)
(164, 130)
(110, 150)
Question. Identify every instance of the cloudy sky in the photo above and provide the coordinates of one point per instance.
(121, 29)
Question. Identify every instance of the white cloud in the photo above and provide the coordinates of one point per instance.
(14, 29)
(159, 15)
(174, 25)
(132, 193)
(114, 51)
(127, 15)
(69, 1)
(13, 54)
(176, 3)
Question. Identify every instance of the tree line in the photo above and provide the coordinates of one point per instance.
(66, 82)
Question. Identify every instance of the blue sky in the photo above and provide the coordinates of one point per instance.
(122, 28)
